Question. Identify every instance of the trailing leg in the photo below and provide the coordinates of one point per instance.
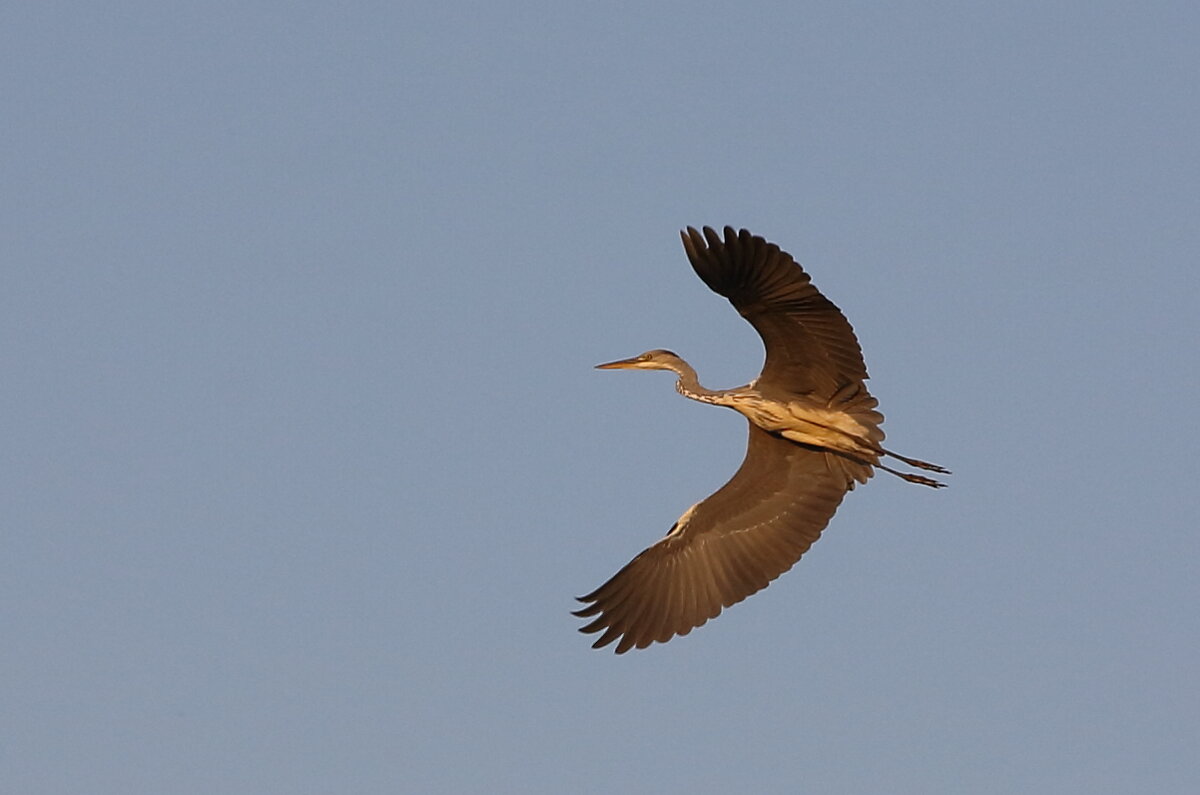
(911, 478)
(917, 463)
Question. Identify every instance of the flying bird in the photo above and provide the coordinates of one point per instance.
(814, 434)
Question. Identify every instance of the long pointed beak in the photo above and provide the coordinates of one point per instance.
(619, 364)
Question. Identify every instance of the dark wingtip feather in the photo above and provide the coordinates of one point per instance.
(584, 612)
(595, 626)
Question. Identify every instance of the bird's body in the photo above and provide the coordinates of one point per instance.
(814, 433)
(840, 425)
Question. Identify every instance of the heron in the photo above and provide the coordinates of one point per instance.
(814, 433)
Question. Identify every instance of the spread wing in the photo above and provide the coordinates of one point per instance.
(723, 549)
(811, 347)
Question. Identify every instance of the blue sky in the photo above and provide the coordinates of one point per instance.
(304, 459)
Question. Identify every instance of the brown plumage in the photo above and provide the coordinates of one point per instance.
(814, 433)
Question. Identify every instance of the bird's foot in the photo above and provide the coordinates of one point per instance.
(924, 481)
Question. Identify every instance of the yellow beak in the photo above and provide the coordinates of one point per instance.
(620, 364)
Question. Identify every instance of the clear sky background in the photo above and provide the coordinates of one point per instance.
(303, 458)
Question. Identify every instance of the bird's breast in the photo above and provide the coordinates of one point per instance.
(812, 425)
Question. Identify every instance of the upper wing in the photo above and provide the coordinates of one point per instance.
(723, 549)
(811, 347)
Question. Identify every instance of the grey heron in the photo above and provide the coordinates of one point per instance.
(814, 433)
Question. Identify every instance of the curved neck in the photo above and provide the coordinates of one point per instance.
(688, 384)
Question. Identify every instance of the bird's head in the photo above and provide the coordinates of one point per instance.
(658, 359)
